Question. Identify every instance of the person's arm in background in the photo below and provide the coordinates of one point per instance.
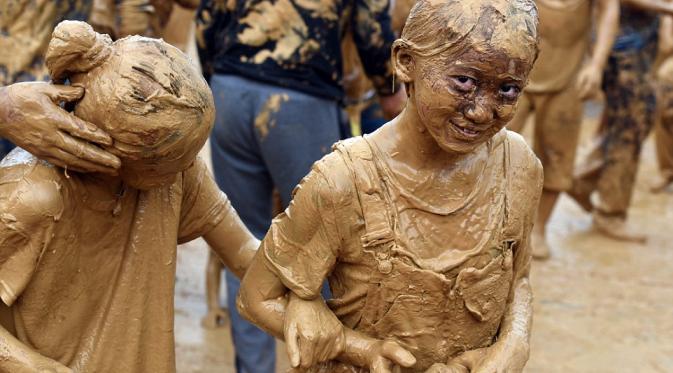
(373, 38)
(591, 76)
(30, 117)
(660, 6)
(666, 36)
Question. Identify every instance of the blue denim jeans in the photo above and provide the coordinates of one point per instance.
(264, 137)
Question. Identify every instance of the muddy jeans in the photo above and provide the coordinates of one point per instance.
(610, 169)
(264, 137)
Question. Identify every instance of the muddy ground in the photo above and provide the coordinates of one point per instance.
(600, 305)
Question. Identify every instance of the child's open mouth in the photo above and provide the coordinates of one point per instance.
(467, 132)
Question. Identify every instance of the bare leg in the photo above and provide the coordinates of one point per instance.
(538, 235)
(216, 316)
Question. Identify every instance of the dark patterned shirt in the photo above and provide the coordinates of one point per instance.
(295, 43)
(25, 31)
(637, 29)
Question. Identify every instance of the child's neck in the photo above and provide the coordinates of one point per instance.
(105, 186)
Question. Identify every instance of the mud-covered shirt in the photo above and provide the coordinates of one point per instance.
(25, 31)
(637, 29)
(295, 43)
(90, 280)
(321, 233)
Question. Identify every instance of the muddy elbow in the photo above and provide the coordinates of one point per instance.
(244, 306)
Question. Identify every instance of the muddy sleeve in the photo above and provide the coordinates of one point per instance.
(302, 243)
(204, 205)
(373, 37)
(528, 197)
(29, 210)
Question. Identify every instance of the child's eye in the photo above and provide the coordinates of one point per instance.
(464, 83)
(510, 91)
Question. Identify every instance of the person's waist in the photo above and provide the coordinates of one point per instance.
(303, 80)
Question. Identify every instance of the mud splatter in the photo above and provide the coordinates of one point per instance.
(279, 22)
(264, 121)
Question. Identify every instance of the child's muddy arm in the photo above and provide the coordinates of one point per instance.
(313, 333)
(16, 357)
(666, 36)
(659, 6)
(591, 76)
(30, 116)
(233, 243)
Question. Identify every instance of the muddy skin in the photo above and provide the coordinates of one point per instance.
(87, 261)
(664, 125)
(422, 228)
(557, 85)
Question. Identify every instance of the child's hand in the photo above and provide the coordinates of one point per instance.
(384, 355)
(312, 333)
(30, 116)
(503, 356)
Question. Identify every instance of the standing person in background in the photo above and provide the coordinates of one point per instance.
(630, 108)
(664, 127)
(25, 29)
(557, 86)
(279, 64)
(120, 18)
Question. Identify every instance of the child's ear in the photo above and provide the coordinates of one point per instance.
(403, 62)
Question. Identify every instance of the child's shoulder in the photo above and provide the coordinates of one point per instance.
(335, 170)
(29, 187)
(523, 161)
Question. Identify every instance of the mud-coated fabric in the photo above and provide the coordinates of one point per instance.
(638, 29)
(557, 121)
(264, 137)
(327, 231)
(25, 31)
(629, 114)
(91, 280)
(564, 37)
(295, 43)
(664, 127)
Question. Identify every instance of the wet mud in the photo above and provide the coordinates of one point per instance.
(600, 305)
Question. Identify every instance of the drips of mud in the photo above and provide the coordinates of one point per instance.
(600, 305)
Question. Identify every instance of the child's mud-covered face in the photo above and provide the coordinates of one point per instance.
(466, 97)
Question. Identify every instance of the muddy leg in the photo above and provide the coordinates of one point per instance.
(216, 316)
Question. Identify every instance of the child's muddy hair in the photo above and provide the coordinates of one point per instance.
(144, 92)
(438, 26)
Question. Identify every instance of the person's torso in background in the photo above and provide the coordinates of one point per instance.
(565, 27)
(637, 29)
(293, 43)
(25, 31)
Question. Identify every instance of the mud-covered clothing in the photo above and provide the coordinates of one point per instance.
(435, 278)
(638, 29)
(564, 39)
(25, 31)
(91, 281)
(630, 108)
(295, 43)
(664, 128)
(551, 94)
(558, 119)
